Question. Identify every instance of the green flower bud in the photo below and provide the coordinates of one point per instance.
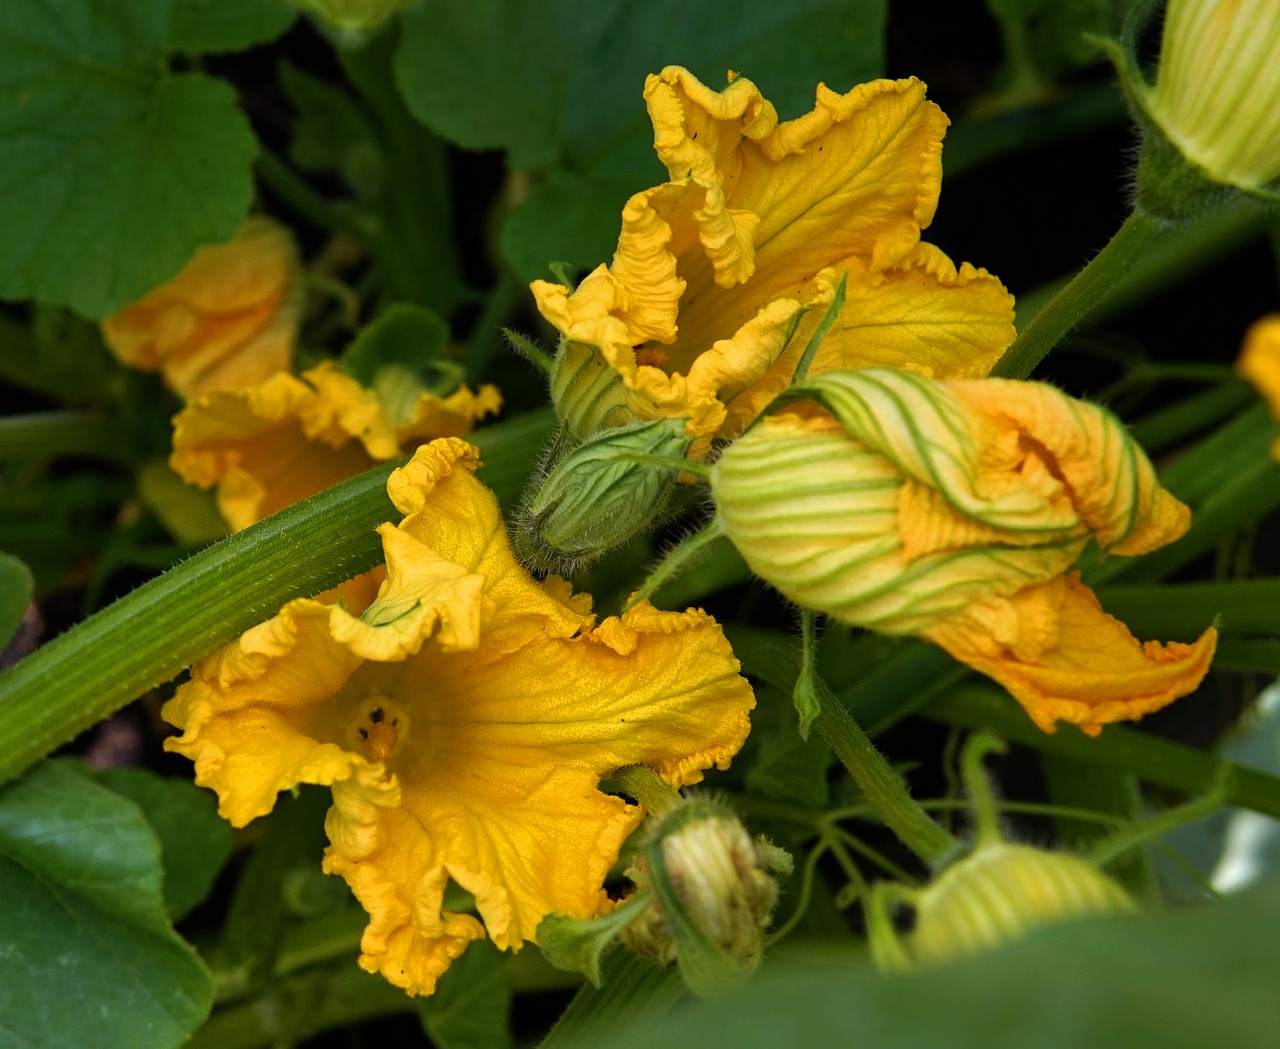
(1212, 119)
(600, 494)
(713, 895)
(588, 394)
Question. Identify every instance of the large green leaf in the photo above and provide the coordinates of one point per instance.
(558, 86)
(194, 841)
(84, 921)
(472, 1005)
(1173, 981)
(548, 82)
(112, 170)
(200, 26)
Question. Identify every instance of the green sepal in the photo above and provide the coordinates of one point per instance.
(577, 945)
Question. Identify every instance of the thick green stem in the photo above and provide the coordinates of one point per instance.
(634, 992)
(61, 433)
(648, 788)
(677, 558)
(1074, 302)
(883, 788)
(147, 636)
(310, 204)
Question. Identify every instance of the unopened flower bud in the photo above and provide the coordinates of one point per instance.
(713, 888)
(602, 493)
(1212, 118)
(1002, 892)
(589, 395)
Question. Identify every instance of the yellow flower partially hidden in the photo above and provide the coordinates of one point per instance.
(714, 270)
(954, 511)
(228, 319)
(1260, 363)
(268, 446)
(464, 723)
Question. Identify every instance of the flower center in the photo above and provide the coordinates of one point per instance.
(379, 727)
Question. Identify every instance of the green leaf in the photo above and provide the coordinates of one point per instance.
(144, 168)
(84, 921)
(16, 589)
(577, 944)
(201, 26)
(472, 1005)
(569, 218)
(554, 82)
(1181, 980)
(194, 841)
(406, 335)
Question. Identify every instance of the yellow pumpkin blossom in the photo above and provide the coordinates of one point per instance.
(697, 314)
(267, 446)
(954, 511)
(1260, 364)
(228, 319)
(464, 723)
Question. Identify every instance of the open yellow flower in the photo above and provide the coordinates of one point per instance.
(270, 445)
(954, 511)
(715, 268)
(1260, 363)
(464, 723)
(228, 319)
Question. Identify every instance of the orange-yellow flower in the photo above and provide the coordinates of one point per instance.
(228, 319)
(464, 723)
(1260, 364)
(954, 511)
(697, 314)
(270, 445)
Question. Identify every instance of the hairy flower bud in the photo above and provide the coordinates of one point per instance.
(601, 493)
(1212, 119)
(714, 891)
(588, 394)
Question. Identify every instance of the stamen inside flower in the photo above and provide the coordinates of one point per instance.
(379, 728)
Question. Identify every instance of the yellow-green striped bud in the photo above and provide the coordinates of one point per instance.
(588, 394)
(915, 498)
(1000, 893)
(1212, 118)
(601, 493)
(713, 889)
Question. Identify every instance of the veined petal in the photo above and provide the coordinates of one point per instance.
(1082, 666)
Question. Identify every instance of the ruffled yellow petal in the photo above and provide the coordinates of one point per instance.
(464, 723)
(228, 319)
(1064, 659)
(698, 311)
(247, 712)
(271, 445)
(1260, 363)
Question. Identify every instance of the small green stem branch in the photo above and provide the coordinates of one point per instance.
(148, 636)
(1074, 302)
(61, 433)
(677, 558)
(648, 788)
(883, 788)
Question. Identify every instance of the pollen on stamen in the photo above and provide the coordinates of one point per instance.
(381, 739)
